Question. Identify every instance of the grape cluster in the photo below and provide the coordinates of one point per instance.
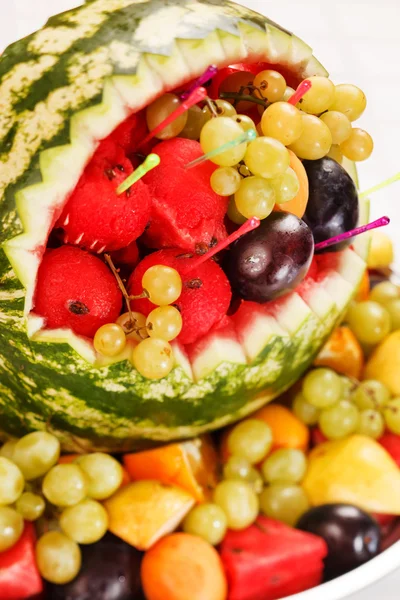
(254, 479)
(341, 406)
(152, 355)
(34, 485)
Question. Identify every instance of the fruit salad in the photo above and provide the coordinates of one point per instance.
(305, 490)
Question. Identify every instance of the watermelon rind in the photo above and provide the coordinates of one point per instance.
(62, 90)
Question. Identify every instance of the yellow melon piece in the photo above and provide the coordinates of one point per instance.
(356, 471)
(384, 363)
(144, 511)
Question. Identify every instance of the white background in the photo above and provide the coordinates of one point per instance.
(358, 42)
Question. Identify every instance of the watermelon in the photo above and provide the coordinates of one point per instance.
(64, 89)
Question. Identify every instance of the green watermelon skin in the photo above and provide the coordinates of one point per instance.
(63, 89)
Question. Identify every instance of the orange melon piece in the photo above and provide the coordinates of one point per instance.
(297, 206)
(190, 465)
(342, 353)
(142, 512)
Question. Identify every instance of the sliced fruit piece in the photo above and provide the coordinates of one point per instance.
(342, 353)
(190, 465)
(182, 566)
(298, 205)
(287, 430)
(142, 512)
(383, 364)
(270, 560)
(356, 471)
(185, 212)
(19, 575)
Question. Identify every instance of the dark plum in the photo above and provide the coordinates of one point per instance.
(110, 571)
(332, 206)
(352, 535)
(271, 260)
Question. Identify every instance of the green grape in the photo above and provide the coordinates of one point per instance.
(358, 146)
(339, 125)
(393, 308)
(217, 132)
(288, 93)
(284, 502)
(233, 214)
(283, 122)
(371, 424)
(369, 321)
(11, 481)
(162, 108)
(336, 153)
(371, 394)
(30, 506)
(238, 501)
(255, 198)
(196, 119)
(391, 414)
(207, 521)
(349, 386)
(223, 108)
(85, 523)
(306, 412)
(225, 181)
(103, 474)
(267, 157)
(315, 141)
(58, 557)
(7, 449)
(340, 420)
(11, 527)
(286, 186)
(322, 388)
(237, 467)
(271, 85)
(284, 465)
(255, 481)
(349, 100)
(245, 122)
(36, 453)
(384, 292)
(319, 98)
(65, 485)
(251, 439)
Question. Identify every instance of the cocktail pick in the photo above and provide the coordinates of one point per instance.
(303, 88)
(382, 222)
(380, 186)
(208, 74)
(195, 97)
(152, 161)
(251, 224)
(246, 136)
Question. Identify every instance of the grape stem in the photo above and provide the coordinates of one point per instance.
(243, 97)
(211, 106)
(125, 294)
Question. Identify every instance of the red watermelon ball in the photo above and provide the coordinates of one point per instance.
(185, 212)
(205, 297)
(76, 290)
(95, 217)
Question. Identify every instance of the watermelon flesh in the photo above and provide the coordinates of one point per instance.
(270, 560)
(96, 217)
(185, 212)
(205, 297)
(76, 290)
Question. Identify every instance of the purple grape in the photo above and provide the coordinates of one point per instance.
(332, 206)
(353, 536)
(271, 260)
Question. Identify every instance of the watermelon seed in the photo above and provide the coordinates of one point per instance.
(201, 248)
(110, 174)
(194, 284)
(78, 308)
(187, 255)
